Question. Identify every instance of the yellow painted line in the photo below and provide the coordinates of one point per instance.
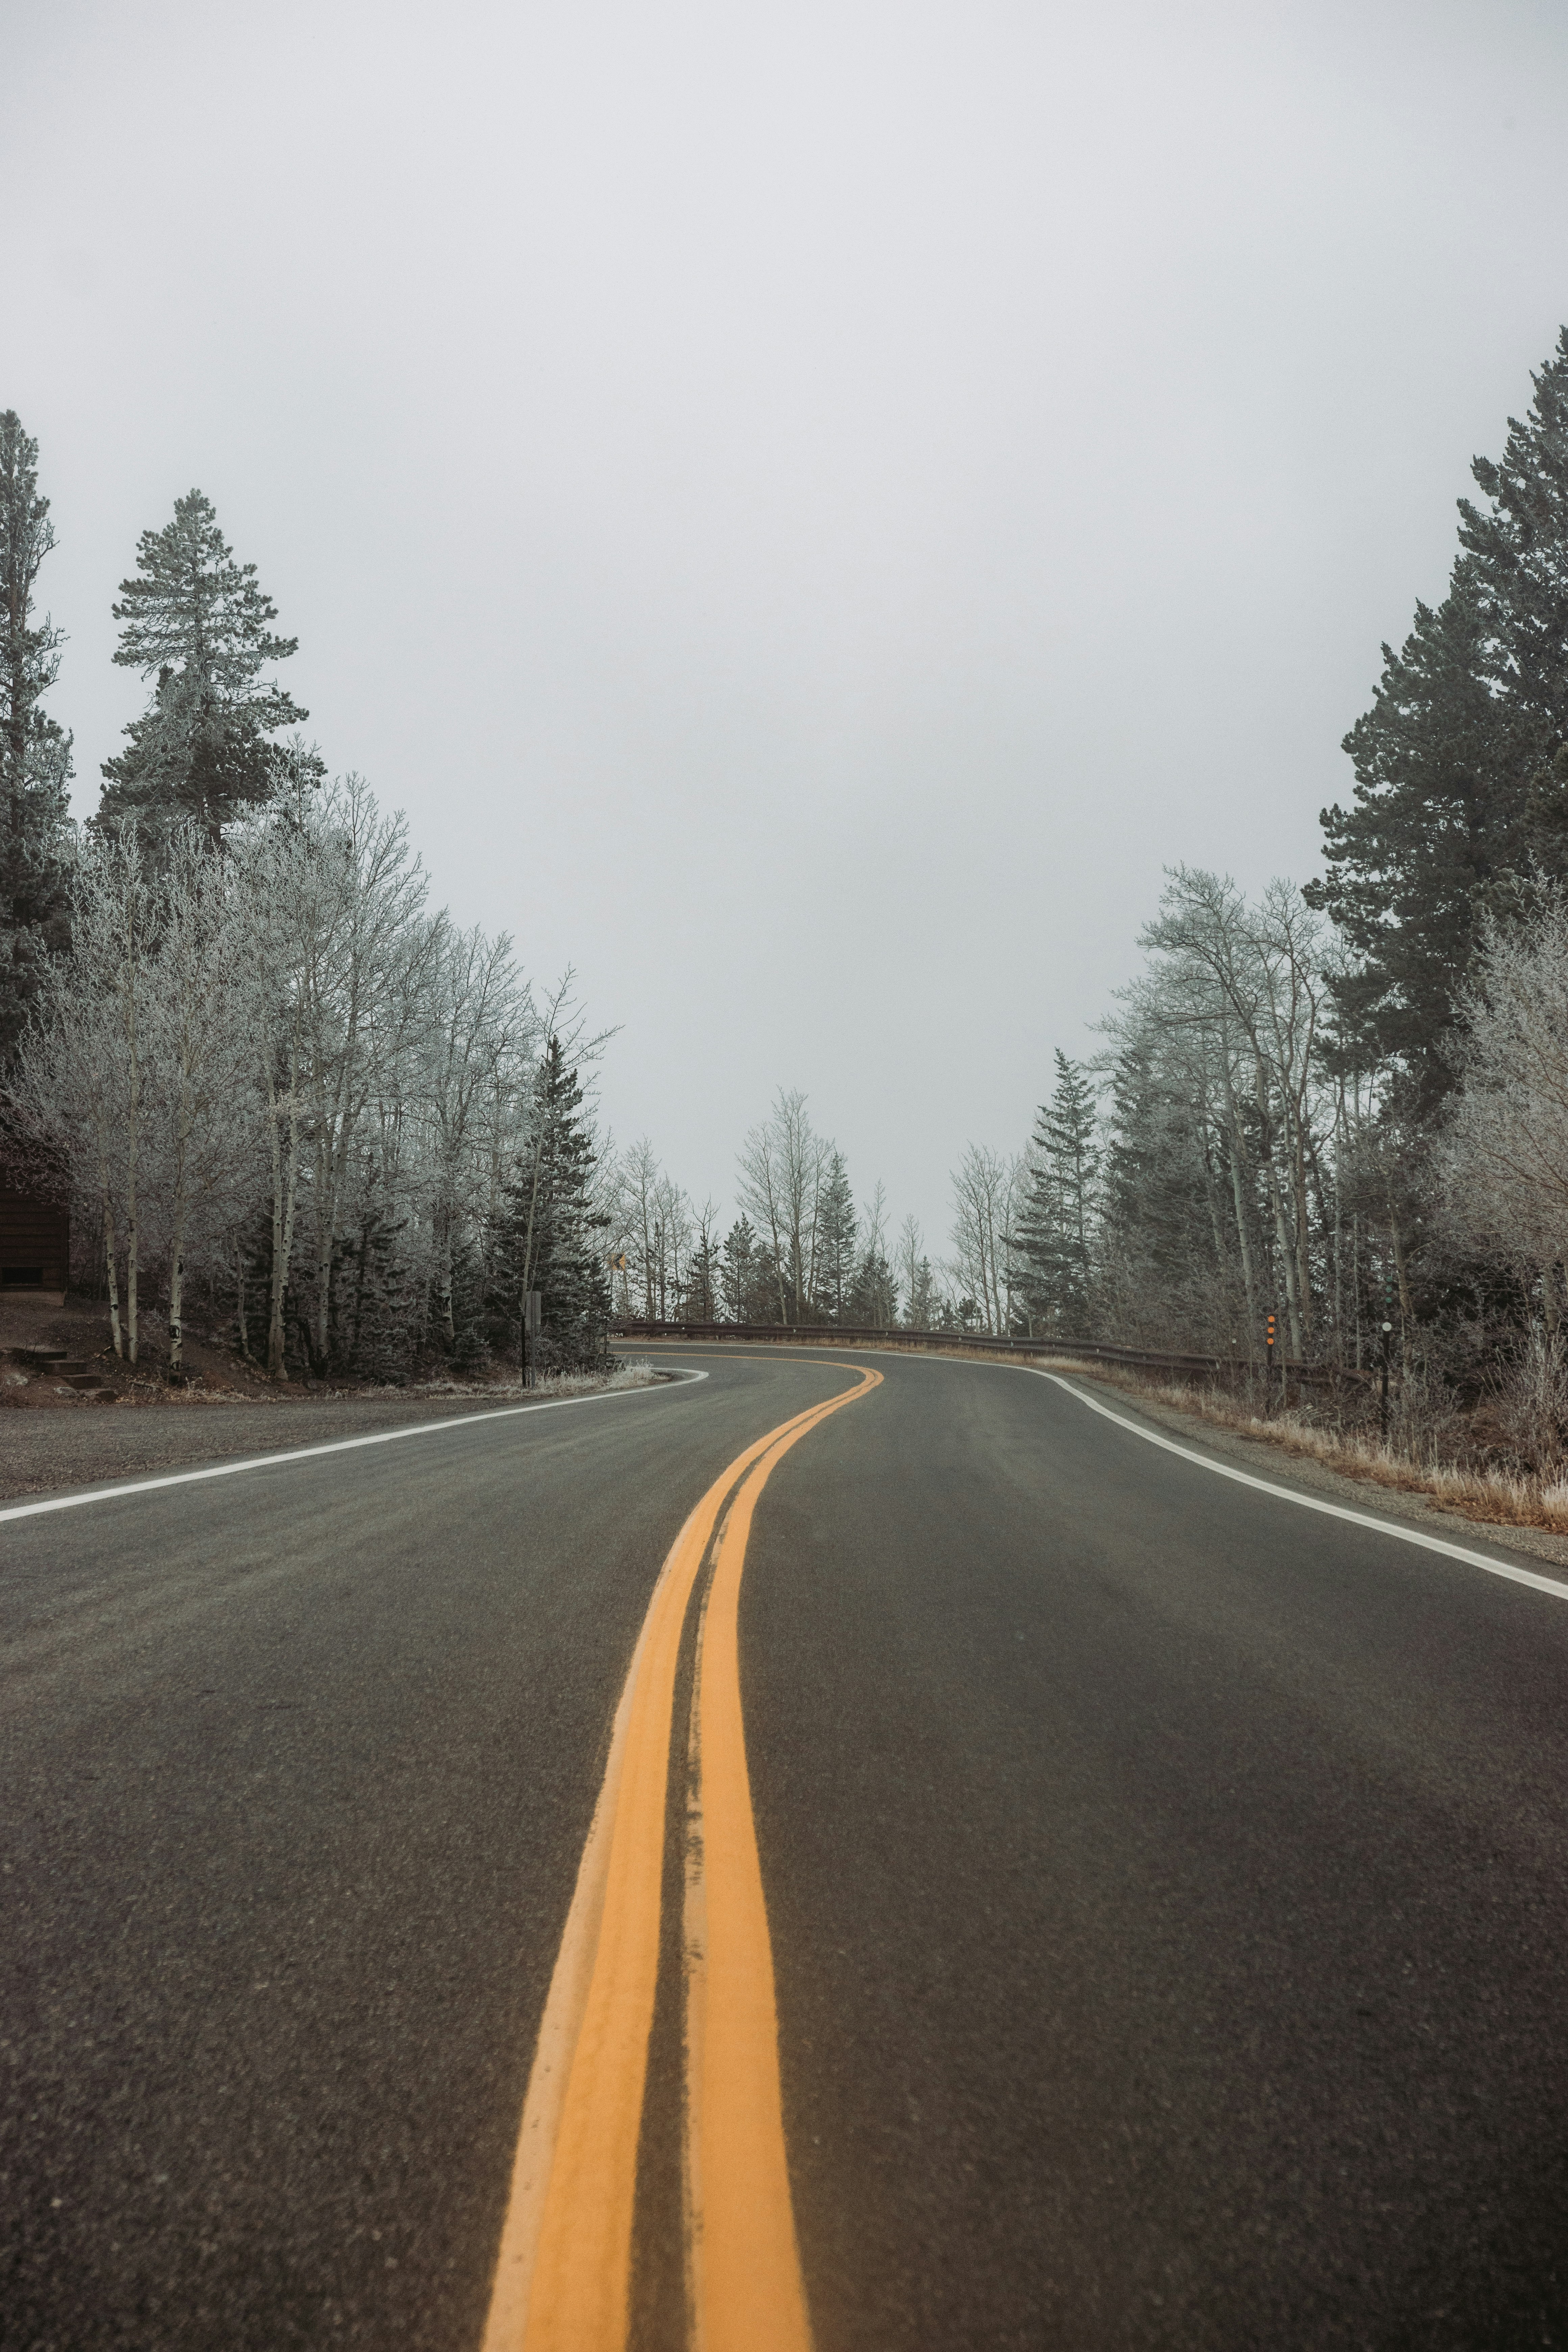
(564, 2273)
(746, 2290)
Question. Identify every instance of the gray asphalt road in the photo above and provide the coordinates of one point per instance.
(1166, 1883)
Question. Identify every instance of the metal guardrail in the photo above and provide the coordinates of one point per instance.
(977, 1343)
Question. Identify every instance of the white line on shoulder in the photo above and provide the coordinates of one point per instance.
(314, 1453)
(1559, 1591)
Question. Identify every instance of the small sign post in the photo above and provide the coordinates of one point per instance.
(530, 1314)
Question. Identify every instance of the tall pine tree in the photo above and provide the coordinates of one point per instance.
(745, 1292)
(1055, 1233)
(35, 749)
(553, 1236)
(1461, 771)
(836, 1234)
(196, 621)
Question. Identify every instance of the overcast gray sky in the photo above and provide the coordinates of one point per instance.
(808, 507)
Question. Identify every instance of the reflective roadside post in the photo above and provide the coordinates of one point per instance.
(529, 1332)
(1382, 1409)
(1269, 1384)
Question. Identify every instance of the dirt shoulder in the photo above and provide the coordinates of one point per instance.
(46, 1453)
(81, 1326)
(52, 1439)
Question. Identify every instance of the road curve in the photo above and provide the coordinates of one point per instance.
(1164, 1886)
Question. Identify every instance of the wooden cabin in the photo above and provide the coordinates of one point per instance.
(35, 1237)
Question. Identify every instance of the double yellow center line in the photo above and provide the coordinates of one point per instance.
(564, 2278)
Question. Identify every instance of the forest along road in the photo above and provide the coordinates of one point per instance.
(1057, 1895)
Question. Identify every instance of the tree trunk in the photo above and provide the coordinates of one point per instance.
(1243, 1241)
(1303, 1252)
(180, 1203)
(285, 1187)
(1287, 1254)
(443, 1268)
(132, 1262)
(177, 1299)
(110, 1245)
(1406, 1309)
(326, 1220)
(133, 1144)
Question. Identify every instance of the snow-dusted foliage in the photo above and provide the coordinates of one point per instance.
(286, 1087)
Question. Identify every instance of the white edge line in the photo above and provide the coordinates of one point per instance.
(314, 1453)
(1312, 1503)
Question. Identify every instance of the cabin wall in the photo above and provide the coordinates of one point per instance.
(34, 1239)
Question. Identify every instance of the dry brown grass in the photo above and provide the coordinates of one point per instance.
(1507, 1498)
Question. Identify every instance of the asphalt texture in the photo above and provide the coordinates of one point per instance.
(1166, 1883)
(50, 1451)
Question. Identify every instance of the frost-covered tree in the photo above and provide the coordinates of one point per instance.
(986, 1186)
(1249, 979)
(783, 1166)
(873, 1298)
(139, 1076)
(205, 1104)
(481, 1028)
(1504, 1154)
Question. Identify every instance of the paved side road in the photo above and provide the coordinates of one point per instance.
(1167, 1886)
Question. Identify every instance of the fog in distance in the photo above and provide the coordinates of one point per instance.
(810, 508)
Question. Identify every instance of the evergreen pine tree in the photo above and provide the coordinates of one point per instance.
(1439, 823)
(1461, 768)
(196, 622)
(923, 1304)
(872, 1300)
(553, 1236)
(834, 1241)
(1153, 1199)
(1054, 1235)
(35, 750)
(699, 1291)
(741, 1274)
(1519, 551)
